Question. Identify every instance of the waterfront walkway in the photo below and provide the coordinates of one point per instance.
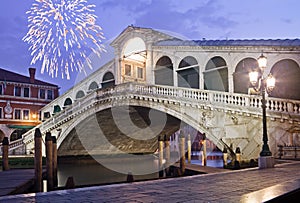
(249, 185)
(16, 181)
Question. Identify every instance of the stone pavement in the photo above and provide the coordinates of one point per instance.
(250, 185)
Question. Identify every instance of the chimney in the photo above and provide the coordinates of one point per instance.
(32, 75)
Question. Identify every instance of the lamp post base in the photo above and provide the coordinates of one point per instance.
(266, 162)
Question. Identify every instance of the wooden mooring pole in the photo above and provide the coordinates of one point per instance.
(204, 157)
(167, 154)
(38, 162)
(49, 161)
(189, 146)
(5, 145)
(182, 153)
(160, 156)
(54, 153)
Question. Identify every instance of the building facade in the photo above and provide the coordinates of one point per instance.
(21, 98)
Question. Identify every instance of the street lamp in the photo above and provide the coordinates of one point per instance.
(263, 85)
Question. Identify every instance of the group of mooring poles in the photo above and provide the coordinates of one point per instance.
(164, 154)
(51, 161)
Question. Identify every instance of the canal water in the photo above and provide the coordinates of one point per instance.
(106, 170)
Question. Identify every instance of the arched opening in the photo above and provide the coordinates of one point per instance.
(108, 80)
(216, 75)
(135, 50)
(93, 86)
(164, 71)
(287, 74)
(68, 102)
(17, 134)
(56, 109)
(134, 61)
(80, 94)
(188, 73)
(241, 75)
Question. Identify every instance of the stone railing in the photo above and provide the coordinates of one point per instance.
(13, 145)
(218, 99)
(211, 99)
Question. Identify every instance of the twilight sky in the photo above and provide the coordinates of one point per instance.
(192, 19)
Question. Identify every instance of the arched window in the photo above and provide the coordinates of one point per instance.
(164, 71)
(287, 74)
(68, 102)
(188, 73)
(108, 80)
(80, 94)
(241, 80)
(93, 86)
(216, 75)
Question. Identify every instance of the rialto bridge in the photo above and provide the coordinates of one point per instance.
(158, 83)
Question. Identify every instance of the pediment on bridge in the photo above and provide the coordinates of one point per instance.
(147, 34)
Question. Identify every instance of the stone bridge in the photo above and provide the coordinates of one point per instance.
(128, 118)
(157, 83)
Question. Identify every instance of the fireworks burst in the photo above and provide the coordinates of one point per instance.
(62, 33)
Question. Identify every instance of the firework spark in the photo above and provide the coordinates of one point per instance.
(62, 33)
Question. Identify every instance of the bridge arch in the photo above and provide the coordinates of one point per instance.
(163, 72)
(287, 74)
(241, 75)
(188, 73)
(174, 112)
(216, 74)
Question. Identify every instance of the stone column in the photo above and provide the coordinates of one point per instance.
(5, 145)
(49, 161)
(38, 162)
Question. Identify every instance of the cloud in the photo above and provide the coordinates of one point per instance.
(175, 16)
(287, 20)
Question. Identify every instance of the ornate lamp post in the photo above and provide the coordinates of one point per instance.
(263, 85)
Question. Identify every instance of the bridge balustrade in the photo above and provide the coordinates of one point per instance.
(250, 104)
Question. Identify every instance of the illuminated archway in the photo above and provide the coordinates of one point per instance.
(287, 74)
(241, 75)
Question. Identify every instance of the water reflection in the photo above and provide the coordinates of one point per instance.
(89, 172)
